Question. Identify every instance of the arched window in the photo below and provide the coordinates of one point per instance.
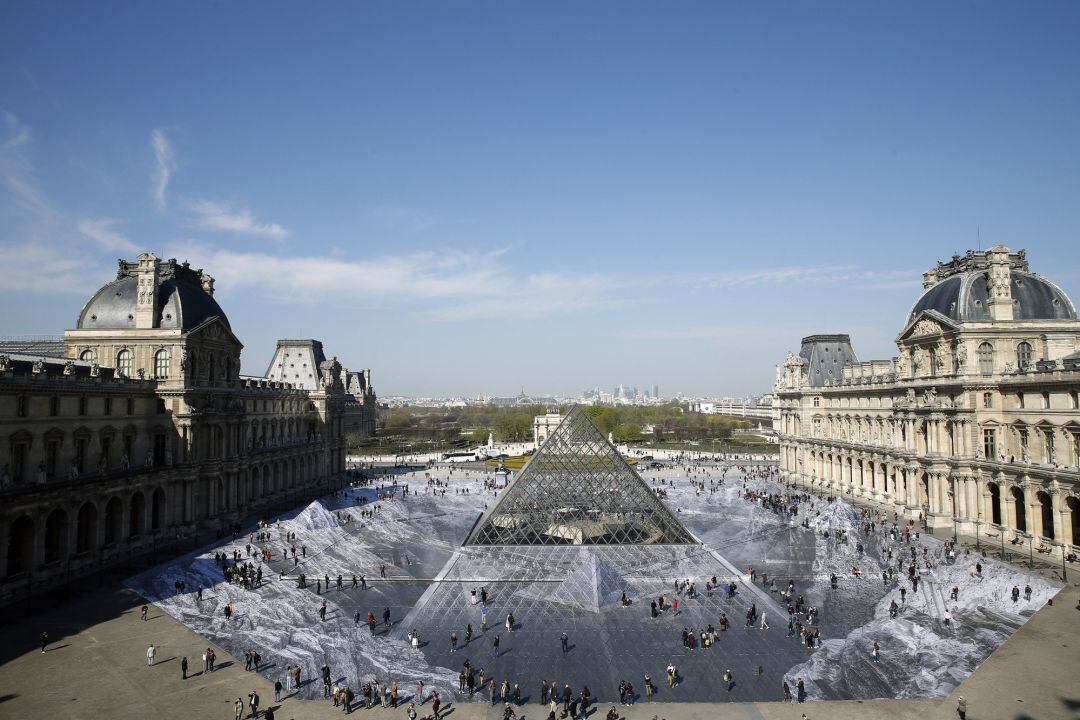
(986, 359)
(123, 362)
(161, 364)
(88, 355)
(1023, 356)
(933, 361)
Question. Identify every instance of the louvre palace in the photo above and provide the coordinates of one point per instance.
(974, 425)
(137, 433)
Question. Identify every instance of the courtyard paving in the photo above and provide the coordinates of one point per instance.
(96, 663)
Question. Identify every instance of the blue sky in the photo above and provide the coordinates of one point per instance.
(480, 197)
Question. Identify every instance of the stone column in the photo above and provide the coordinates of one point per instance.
(1034, 510)
(1065, 521)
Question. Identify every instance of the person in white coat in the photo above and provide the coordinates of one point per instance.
(150, 652)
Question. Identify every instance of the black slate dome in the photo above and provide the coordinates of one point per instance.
(965, 297)
(182, 302)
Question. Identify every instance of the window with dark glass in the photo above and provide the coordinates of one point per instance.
(1023, 356)
(986, 359)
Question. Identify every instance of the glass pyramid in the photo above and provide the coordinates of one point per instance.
(578, 490)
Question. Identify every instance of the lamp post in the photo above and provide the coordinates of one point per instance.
(1031, 550)
(978, 522)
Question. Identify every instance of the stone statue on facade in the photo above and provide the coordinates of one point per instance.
(961, 356)
(918, 361)
(902, 364)
(38, 367)
(73, 471)
(42, 476)
(102, 467)
(141, 373)
(5, 363)
(69, 367)
(148, 459)
(95, 370)
(1025, 454)
(5, 476)
(930, 396)
(125, 461)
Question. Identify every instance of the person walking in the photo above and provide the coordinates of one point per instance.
(143, 612)
(183, 668)
(495, 646)
(44, 640)
(764, 625)
(150, 652)
(961, 707)
(564, 642)
(253, 702)
(453, 640)
(277, 691)
(238, 709)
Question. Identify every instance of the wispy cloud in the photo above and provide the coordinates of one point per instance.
(444, 286)
(54, 272)
(164, 166)
(811, 275)
(17, 174)
(18, 133)
(101, 230)
(221, 216)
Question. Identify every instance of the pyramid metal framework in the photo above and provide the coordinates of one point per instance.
(578, 490)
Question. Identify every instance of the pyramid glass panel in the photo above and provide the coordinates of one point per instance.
(578, 490)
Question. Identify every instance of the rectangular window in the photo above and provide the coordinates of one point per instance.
(131, 406)
(108, 406)
(1048, 438)
(990, 444)
(82, 406)
(1076, 454)
(1020, 400)
(159, 450)
(1046, 400)
(80, 454)
(52, 452)
(54, 406)
(129, 448)
(21, 404)
(1075, 400)
(106, 452)
(988, 400)
(18, 462)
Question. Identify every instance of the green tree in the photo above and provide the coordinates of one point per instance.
(627, 432)
(605, 418)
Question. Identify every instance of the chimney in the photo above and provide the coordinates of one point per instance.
(146, 283)
(999, 285)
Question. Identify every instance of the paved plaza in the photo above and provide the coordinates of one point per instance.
(98, 641)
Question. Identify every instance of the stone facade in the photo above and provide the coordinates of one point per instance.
(543, 426)
(299, 362)
(146, 432)
(975, 424)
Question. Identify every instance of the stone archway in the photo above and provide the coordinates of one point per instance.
(995, 502)
(20, 556)
(114, 521)
(1046, 508)
(157, 510)
(137, 515)
(1020, 508)
(56, 536)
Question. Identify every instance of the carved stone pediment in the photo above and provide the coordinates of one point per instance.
(928, 324)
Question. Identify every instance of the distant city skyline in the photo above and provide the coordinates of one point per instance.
(483, 197)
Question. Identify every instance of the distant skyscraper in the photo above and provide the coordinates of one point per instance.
(656, 391)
